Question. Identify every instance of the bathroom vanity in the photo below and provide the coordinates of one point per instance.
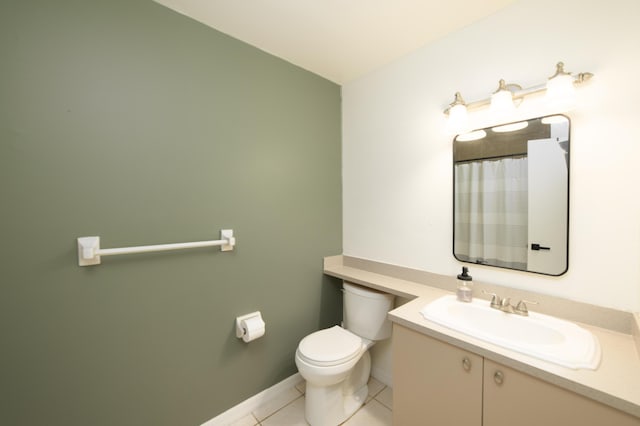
(444, 377)
(451, 386)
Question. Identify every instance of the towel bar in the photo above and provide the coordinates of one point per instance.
(89, 251)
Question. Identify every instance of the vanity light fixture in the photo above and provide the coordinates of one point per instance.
(561, 93)
(559, 90)
(502, 99)
(458, 121)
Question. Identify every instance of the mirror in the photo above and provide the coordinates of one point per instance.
(511, 196)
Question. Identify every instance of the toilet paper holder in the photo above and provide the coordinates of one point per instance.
(255, 320)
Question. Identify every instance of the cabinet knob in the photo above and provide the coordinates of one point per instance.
(466, 364)
(498, 377)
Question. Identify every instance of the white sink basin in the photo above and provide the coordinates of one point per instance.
(540, 336)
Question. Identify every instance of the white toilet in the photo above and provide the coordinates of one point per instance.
(335, 361)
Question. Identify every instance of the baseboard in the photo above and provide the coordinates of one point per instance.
(247, 406)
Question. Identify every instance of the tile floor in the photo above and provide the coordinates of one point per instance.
(288, 409)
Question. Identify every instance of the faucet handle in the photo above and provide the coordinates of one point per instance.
(521, 307)
(506, 306)
(496, 302)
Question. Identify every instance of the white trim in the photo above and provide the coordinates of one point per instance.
(247, 406)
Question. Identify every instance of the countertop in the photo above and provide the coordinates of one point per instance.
(616, 382)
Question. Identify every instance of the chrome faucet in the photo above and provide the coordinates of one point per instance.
(505, 304)
(521, 307)
(496, 302)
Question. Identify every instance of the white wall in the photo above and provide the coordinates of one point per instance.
(397, 160)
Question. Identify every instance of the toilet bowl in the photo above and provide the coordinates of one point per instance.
(335, 361)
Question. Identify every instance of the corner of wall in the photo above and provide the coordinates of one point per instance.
(636, 331)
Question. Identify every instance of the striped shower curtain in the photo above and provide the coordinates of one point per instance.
(491, 212)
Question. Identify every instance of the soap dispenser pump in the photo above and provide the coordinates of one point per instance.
(464, 292)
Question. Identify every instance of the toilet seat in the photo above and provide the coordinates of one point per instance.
(329, 347)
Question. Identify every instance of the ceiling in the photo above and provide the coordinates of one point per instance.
(340, 40)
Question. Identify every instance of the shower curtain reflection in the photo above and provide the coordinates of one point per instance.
(491, 212)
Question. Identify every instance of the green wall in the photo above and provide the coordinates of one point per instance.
(126, 120)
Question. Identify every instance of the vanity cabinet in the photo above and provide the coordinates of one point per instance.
(512, 397)
(436, 383)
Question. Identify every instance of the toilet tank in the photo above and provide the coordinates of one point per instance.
(365, 311)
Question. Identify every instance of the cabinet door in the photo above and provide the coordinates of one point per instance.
(434, 383)
(514, 398)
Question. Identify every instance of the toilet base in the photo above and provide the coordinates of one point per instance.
(326, 406)
(332, 405)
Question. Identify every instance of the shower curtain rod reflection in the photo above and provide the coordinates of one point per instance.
(89, 251)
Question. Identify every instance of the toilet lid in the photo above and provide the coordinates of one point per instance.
(331, 346)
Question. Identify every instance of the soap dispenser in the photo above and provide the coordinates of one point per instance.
(464, 292)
